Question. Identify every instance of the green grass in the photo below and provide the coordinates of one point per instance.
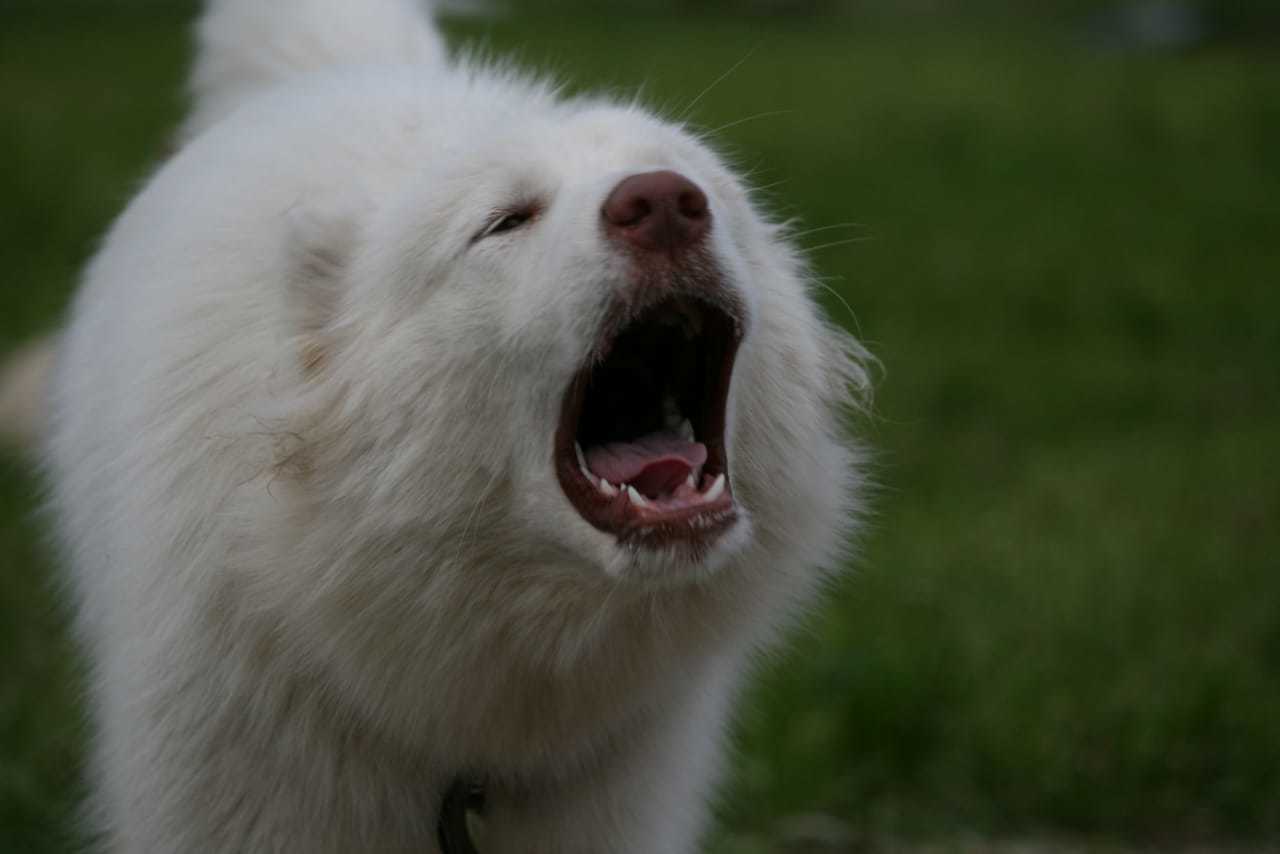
(1064, 619)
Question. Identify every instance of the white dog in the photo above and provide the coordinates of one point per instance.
(417, 430)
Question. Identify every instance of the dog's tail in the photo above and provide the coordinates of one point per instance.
(24, 381)
(247, 46)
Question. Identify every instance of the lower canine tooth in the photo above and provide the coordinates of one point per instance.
(607, 488)
(636, 498)
(582, 463)
(716, 490)
(686, 430)
(691, 481)
(670, 411)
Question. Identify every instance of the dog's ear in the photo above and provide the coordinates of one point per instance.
(321, 244)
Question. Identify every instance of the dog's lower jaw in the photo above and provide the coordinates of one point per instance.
(676, 565)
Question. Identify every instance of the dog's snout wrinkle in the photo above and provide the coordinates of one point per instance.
(659, 211)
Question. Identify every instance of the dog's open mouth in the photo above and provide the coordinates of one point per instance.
(640, 450)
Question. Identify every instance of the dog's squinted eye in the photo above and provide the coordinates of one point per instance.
(506, 220)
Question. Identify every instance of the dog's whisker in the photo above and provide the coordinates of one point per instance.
(846, 242)
(773, 185)
(811, 231)
(688, 111)
(733, 124)
(853, 317)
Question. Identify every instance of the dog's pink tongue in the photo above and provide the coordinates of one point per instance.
(654, 464)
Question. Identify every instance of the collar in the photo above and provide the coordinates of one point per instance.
(463, 797)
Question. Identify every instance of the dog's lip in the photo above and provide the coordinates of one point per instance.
(701, 512)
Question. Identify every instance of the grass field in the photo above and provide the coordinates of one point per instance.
(1066, 618)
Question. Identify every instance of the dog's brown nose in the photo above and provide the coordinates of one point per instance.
(657, 211)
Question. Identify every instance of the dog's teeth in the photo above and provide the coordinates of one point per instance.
(691, 481)
(636, 498)
(686, 430)
(716, 490)
(582, 461)
(607, 488)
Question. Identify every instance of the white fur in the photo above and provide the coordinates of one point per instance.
(249, 45)
(301, 458)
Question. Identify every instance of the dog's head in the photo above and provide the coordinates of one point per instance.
(565, 336)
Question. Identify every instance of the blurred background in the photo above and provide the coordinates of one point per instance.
(1057, 225)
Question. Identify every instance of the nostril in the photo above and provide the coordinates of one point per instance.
(627, 209)
(692, 203)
